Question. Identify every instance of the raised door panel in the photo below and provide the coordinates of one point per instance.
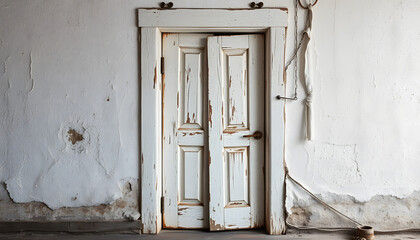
(185, 171)
(236, 105)
(191, 87)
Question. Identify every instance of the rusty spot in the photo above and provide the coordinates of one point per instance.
(188, 117)
(74, 136)
(210, 114)
(193, 117)
(233, 111)
(209, 163)
(182, 209)
(155, 79)
(230, 81)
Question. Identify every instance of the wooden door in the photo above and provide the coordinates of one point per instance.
(236, 110)
(185, 164)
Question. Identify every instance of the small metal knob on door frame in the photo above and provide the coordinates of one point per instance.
(256, 5)
(256, 135)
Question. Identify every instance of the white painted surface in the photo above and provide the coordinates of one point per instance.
(151, 130)
(59, 68)
(185, 176)
(365, 110)
(275, 121)
(236, 105)
(219, 18)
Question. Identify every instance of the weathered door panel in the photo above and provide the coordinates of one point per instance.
(185, 162)
(236, 109)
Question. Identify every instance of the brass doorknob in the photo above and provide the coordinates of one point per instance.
(256, 135)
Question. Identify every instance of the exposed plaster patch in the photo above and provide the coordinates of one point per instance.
(124, 208)
(382, 212)
(74, 136)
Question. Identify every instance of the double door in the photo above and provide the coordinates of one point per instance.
(213, 127)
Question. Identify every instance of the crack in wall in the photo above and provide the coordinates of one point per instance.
(30, 73)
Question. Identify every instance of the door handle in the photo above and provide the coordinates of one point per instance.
(256, 135)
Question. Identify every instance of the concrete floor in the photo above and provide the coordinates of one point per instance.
(190, 234)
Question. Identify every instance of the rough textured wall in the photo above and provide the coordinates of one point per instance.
(68, 106)
(365, 153)
(69, 110)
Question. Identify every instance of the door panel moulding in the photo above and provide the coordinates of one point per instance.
(152, 22)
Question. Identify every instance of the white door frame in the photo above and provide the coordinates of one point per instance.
(152, 22)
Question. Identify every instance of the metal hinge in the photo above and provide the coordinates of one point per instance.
(162, 204)
(162, 65)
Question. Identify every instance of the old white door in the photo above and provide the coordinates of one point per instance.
(236, 127)
(206, 125)
(185, 164)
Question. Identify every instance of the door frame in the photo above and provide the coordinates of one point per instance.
(152, 23)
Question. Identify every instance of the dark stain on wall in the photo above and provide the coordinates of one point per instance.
(74, 136)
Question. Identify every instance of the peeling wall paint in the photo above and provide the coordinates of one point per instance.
(123, 208)
(68, 108)
(69, 99)
(364, 157)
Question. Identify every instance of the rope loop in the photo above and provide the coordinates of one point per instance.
(313, 5)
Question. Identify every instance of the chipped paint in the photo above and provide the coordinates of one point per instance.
(69, 109)
(368, 100)
(210, 114)
(125, 207)
(366, 111)
(155, 76)
(214, 226)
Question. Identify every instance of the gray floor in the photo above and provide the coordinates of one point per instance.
(190, 234)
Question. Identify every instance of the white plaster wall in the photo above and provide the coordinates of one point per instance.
(62, 60)
(367, 111)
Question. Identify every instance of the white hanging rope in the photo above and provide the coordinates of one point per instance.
(309, 75)
(306, 37)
